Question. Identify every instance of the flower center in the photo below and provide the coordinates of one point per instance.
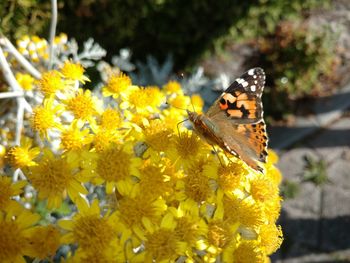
(11, 241)
(113, 165)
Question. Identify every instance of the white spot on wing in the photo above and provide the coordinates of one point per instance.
(251, 72)
(244, 84)
(253, 88)
(240, 81)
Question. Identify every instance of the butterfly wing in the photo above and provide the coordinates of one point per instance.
(246, 141)
(241, 101)
(239, 114)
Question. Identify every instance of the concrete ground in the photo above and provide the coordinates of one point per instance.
(316, 221)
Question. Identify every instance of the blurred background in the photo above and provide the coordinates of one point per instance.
(304, 48)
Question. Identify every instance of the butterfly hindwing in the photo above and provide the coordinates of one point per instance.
(246, 141)
(241, 101)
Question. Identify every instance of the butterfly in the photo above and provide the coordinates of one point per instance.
(235, 121)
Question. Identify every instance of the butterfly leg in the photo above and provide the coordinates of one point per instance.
(217, 154)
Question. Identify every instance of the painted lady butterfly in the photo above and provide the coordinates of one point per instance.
(235, 120)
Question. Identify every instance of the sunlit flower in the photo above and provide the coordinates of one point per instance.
(75, 137)
(188, 147)
(111, 119)
(262, 189)
(249, 252)
(154, 182)
(14, 232)
(91, 231)
(162, 243)
(45, 117)
(197, 186)
(157, 135)
(53, 178)
(50, 83)
(83, 105)
(247, 213)
(197, 102)
(180, 102)
(146, 99)
(44, 241)
(172, 87)
(271, 237)
(74, 71)
(22, 156)
(25, 81)
(220, 237)
(133, 212)
(231, 176)
(117, 85)
(7, 191)
(116, 166)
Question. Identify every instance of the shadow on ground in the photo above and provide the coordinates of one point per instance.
(306, 236)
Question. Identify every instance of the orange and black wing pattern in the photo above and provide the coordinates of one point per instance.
(241, 101)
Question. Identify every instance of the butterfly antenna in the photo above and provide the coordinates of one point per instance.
(194, 110)
(177, 126)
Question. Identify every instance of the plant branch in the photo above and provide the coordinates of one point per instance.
(52, 31)
(20, 58)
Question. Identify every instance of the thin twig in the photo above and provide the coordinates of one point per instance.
(11, 94)
(20, 58)
(19, 123)
(52, 31)
(11, 80)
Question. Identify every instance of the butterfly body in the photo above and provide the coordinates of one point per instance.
(235, 121)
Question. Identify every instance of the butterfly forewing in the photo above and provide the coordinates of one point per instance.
(241, 101)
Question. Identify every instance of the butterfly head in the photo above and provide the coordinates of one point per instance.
(193, 116)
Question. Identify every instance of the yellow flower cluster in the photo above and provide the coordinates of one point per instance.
(165, 196)
(36, 48)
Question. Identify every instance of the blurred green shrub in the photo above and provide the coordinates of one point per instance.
(184, 28)
(295, 59)
(21, 17)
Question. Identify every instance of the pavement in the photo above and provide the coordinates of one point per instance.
(316, 222)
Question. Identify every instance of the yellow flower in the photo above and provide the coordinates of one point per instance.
(83, 105)
(231, 176)
(25, 81)
(162, 243)
(249, 252)
(247, 213)
(188, 148)
(53, 178)
(22, 156)
(74, 71)
(92, 232)
(14, 232)
(117, 85)
(154, 182)
(220, 236)
(271, 237)
(74, 138)
(263, 189)
(197, 187)
(50, 83)
(116, 166)
(144, 100)
(7, 191)
(103, 139)
(134, 212)
(44, 241)
(45, 117)
(111, 119)
(197, 102)
(173, 87)
(157, 135)
(181, 102)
